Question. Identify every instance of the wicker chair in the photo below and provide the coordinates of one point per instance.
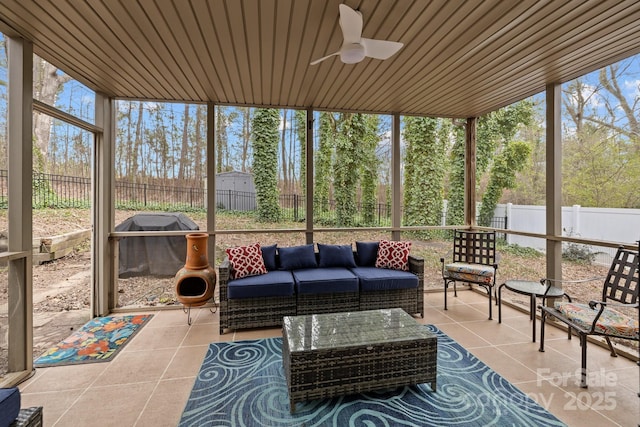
(474, 261)
(600, 317)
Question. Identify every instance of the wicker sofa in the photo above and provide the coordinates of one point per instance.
(10, 413)
(333, 281)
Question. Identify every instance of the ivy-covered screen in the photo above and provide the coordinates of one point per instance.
(352, 165)
(431, 193)
(433, 165)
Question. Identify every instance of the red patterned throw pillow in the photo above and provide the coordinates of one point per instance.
(393, 255)
(246, 261)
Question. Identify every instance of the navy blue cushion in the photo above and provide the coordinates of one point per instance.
(269, 257)
(9, 405)
(336, 256)
(379, 279)
(273, 284)
(297, 257)
(325, 280)
(367, 253)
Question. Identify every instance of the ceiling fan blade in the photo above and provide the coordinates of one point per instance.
(323, 58)
(351, 24)
(380, 49)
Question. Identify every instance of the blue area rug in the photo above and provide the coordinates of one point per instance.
(243, 384)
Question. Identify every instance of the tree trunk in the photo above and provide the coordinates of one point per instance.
(245, 137)
(200, 146)
(283, 153)
(184, 149)
(47, 83)
(137, 145)
(221, 139)
(301, 130)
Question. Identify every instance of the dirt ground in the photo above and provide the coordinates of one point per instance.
(62, 287)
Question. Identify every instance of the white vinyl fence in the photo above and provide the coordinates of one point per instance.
(608, 224)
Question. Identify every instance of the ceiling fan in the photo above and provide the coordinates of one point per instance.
(355, 47)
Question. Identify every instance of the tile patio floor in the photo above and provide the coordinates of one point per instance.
(149, 381)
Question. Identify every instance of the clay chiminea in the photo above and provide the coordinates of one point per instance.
(195, 281)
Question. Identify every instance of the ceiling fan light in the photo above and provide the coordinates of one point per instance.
(352, 53)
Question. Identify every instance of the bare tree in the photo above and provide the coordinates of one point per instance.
(200, 144)
(245, 138)
(283, 153)
(47, 84)
(137, 144)
(184, 150)
(609, 80)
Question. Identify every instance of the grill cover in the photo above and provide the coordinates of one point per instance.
(154, 255)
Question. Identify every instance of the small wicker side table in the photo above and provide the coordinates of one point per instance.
(328, 355)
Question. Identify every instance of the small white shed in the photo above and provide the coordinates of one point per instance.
(235, 191)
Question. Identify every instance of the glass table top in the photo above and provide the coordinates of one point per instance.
(528, 287)
(335, 330)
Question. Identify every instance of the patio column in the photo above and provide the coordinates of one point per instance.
(396, 192)
(554, 181)
(104, 250)
(309, 177)
(470, 173)
(20, 146)
(211, 182)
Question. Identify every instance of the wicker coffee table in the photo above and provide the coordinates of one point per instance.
(328, 355)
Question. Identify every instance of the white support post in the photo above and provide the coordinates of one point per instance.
(507, 214)
(20, 151)
(575, 220)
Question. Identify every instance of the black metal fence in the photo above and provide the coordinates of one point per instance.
(131, 195)
(60, 191)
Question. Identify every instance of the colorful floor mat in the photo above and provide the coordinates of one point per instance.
(97, 341)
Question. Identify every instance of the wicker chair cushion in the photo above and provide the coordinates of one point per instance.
(297, 257)
(273, 284)
(381, 279)
(269, 257)
(367, 253)
(394, 255)
(611, 322)
(335, 256)
(477, 273)
(325, 280)
(9, 405)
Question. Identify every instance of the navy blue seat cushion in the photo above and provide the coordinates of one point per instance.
(379, 279)
(336, 256)
(367, 253)
(325, 280)
(297, 257)
(273, 284)
(9, 405)
(269, 257)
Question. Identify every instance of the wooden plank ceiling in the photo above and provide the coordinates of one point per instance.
(460, 58)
